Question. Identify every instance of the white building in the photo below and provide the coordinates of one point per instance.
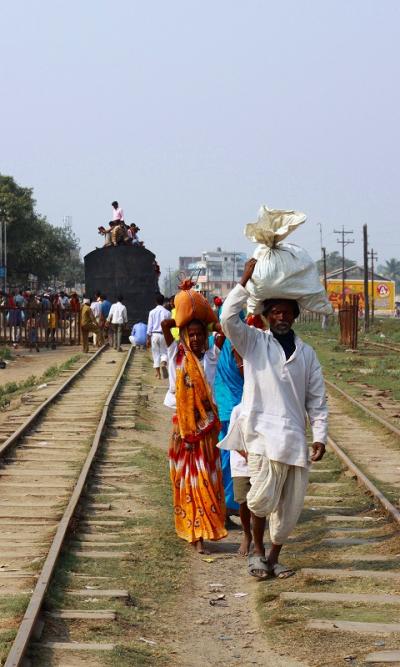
(218, 271)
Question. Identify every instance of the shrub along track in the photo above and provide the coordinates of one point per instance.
(45, 464)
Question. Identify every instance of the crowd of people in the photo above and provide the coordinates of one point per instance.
(103, 320)
(39, 314)
(242, 391)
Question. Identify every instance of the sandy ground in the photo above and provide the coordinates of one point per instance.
(219, 598)
(26, 363)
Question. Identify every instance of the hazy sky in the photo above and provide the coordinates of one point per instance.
(193, 114)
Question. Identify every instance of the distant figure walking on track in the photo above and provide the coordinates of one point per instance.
(283, 385)
(155, 337)
(96, 310)
(89, 325)
(117, 317)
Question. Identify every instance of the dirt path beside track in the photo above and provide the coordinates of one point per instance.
(216, 620)
(25, 363)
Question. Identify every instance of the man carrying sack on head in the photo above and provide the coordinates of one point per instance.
(283, 385)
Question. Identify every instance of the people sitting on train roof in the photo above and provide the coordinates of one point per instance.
(115, 234)
(133, 235)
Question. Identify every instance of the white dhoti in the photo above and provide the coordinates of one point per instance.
(277, 490)
(158, 349)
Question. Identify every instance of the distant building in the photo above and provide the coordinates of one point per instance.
(383, 288)
(216, 271)
(186, 262)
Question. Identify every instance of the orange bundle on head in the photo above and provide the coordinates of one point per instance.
(191, 305)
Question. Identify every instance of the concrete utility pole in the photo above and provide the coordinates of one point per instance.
(324, 265)
(366, 282)
(373, 256)
(323, 253)
(169, 269)
(343, 242)
(234, 269)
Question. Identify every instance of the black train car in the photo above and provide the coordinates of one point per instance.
(126, 270)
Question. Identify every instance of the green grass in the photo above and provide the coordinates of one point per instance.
(11, 389)
(385, 330)
(5, 354)
(352, 372)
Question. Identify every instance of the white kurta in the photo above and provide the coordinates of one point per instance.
(278, 394)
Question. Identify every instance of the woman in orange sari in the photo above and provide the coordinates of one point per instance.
(195, 468)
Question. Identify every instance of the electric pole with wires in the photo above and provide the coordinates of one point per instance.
(343, 242)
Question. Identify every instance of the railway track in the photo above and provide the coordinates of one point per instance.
(346, 599)
(44, 468)
(383, 346)
(345, 605)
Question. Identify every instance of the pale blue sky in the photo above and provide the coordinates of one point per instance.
(193, 114)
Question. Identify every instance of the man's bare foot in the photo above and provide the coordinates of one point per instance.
(245, 545)
(200, 548)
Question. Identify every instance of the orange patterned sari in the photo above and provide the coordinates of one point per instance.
(195, 468)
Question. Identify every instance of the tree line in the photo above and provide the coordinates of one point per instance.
(34, 246)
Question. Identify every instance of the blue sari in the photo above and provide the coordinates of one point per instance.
(228, 389)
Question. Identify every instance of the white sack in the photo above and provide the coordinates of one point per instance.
(283, 270)
(273, 225)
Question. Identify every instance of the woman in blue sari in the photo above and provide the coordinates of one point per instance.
(228, 389)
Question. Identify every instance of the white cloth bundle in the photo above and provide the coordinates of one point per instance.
(283, 270)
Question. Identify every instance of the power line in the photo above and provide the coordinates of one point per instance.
(343, 242)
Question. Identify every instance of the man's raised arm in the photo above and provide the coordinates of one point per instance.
(240, 334)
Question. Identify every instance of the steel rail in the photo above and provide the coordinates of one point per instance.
(42, 407)
(363, 479)
(26, 627)
(386, 346)
(358, 404)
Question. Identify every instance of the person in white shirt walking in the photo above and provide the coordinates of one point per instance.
(283, 385)
(95, 307)
(118, 317)
(155, 337)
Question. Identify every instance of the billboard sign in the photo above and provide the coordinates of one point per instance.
(384, 293)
